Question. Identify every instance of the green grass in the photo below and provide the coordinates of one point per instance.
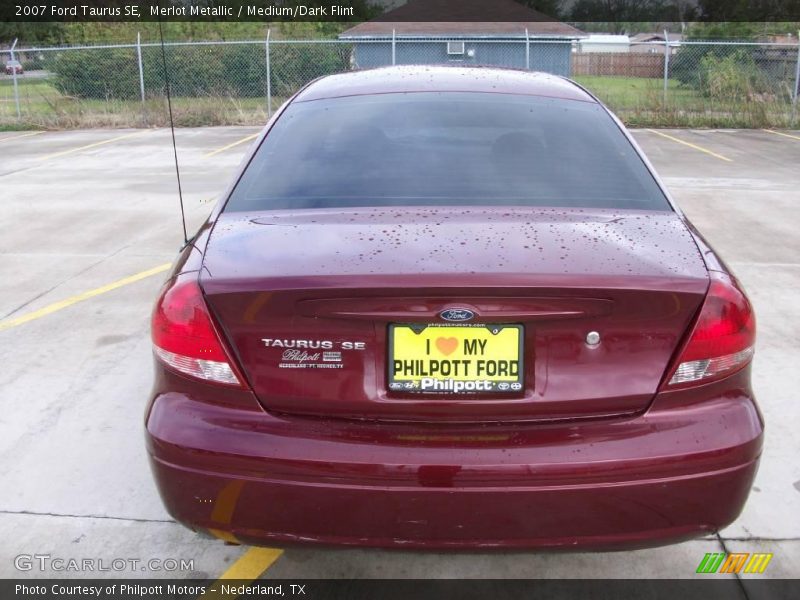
(42, 105)
(641, 102)
(638, 101)
(28, 88)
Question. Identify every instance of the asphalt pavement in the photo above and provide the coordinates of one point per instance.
(90, 222)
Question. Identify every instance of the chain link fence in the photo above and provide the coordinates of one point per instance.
(696, 84)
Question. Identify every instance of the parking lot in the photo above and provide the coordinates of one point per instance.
(90, 223)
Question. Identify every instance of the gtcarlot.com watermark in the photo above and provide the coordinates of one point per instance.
(57, 564)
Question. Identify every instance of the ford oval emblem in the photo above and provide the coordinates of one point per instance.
(457, 315)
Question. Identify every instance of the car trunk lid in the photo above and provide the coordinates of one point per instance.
(307, 301)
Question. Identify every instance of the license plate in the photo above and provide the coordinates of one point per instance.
(455, 359)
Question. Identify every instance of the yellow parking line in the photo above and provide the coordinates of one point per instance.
(695, 146)
(248, 567)
(233, 145)
(794, 137)
(24, 135)
(252, 563)
(94, 145)
(56, 306)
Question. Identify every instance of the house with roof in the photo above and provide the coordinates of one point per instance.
(653, 43)
(447, 32)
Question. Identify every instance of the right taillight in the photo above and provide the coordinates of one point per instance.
(723, 337)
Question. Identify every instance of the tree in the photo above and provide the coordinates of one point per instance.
(626, 11)
(32, 34)
(738, 30)
(550, 8)
(747, 10)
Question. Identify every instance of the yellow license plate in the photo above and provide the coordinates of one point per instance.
(455, 359)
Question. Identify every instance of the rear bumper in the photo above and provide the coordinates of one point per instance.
(257, 478)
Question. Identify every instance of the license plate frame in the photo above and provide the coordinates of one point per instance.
(504, 376)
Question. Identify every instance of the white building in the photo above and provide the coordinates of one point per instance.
(602, 42)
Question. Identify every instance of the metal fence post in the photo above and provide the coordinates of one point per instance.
(14, 75)
(394, 48)
(666, 66)
(269, 75)
(797, 72)
(527, 50)
(793, 119)
(16, 92)
(141, 73)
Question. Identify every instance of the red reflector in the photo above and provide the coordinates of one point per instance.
(185, 337)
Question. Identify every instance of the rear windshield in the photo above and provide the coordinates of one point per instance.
(445, 149)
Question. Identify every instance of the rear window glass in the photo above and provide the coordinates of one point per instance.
(445, 149)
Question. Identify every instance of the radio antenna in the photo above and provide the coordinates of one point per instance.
(172, 130)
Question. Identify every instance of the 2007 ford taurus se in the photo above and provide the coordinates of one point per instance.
(451, 308)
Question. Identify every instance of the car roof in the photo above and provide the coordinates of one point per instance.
(429, 78)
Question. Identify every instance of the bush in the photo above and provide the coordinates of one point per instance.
(719, 72)
(193, 71)
(685, 65)
(213, 70)
(735, 77)
(295, 65)
(32, 62)
(103, 73)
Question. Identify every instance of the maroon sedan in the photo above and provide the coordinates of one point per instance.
(14, 66)
(451, 308)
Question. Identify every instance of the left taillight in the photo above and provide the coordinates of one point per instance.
(185, 338)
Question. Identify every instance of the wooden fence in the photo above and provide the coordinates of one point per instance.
(618, 64)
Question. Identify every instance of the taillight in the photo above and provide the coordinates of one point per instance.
(723, 337)
(184, 336)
